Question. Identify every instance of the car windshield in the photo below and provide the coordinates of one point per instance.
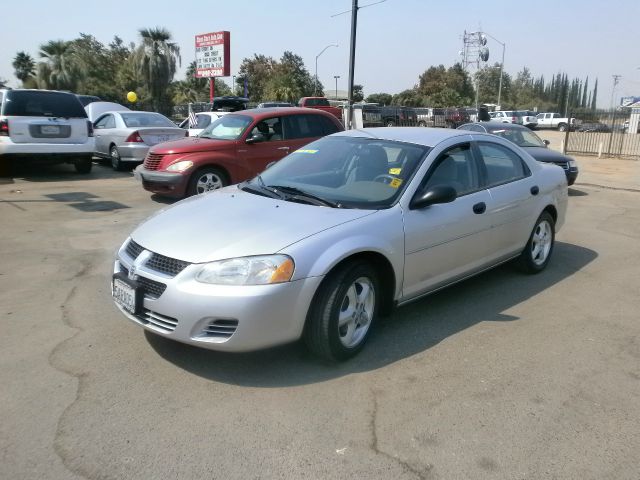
(227, 127)
(341, 171)
(146, 119)
(522, 138)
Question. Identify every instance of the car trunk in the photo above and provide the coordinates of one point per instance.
(50, 130)
(155, 135)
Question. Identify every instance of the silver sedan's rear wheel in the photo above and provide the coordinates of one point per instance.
(343, 312)
(206, 180)
(535, 256)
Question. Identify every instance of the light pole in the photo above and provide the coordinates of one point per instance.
(504, 46)
(336, 77)
(315, 87)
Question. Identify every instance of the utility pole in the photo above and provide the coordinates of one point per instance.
(352, 60)
(616, 79)
(336, 77)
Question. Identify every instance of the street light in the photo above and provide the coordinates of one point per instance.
(504, 46)
(336, 77)
(315, 87)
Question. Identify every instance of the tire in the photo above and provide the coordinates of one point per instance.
(390, 123)
(84, 165)
(116, 161)
(562, 127)
(352, 295)
(536, 254)
(205, 180)
(422, 124)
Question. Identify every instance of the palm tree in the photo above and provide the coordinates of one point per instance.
(156, 58)
(58, 70)
(25, 66)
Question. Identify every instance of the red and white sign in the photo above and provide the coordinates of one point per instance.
(212, 55)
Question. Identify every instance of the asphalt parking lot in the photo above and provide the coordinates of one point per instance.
(503, 376)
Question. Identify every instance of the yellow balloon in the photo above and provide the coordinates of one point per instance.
(132, 97)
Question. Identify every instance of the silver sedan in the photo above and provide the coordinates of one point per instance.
(336, 233)
(125, 137)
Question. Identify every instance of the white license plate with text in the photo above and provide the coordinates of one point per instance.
(124, 295)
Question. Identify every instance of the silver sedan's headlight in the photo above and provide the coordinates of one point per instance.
(259, 270)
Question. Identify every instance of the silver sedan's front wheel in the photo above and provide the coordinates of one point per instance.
(536, 254)
(356, 312)
(343, 311)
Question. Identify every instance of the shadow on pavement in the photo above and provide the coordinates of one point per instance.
(61, 172)
(410, 330)
(573, 192)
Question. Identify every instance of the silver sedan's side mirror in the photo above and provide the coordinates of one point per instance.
(432, 196)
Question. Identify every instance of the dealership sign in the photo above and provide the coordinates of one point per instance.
(212, 55)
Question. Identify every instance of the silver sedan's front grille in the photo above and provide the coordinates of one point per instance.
(169, 266)
(133, 249)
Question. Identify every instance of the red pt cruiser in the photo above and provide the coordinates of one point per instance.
(234, 148)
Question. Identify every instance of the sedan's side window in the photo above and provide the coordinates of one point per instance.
(106, 122)
(456, 168)
(502, 165)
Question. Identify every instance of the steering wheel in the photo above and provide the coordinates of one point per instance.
(384, 178)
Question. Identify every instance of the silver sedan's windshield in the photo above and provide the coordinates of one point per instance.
(227, 127)
(522, 138)
(345, 172)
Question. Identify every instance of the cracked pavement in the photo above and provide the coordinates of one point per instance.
(502, 376)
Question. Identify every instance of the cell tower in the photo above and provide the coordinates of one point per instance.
(474, 51)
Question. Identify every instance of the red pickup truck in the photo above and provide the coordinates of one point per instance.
(320, 103)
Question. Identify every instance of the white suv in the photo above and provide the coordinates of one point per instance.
(519, 117)
(45, 126)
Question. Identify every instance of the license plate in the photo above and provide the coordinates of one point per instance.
(125, 295)
(160, 138)
(50, 129)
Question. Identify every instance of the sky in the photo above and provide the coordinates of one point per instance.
(396, 40)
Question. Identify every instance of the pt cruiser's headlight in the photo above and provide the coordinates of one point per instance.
(180, 166)
(259, 270)
(573, 164)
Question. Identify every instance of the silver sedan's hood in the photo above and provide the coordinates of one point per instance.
(231, 223)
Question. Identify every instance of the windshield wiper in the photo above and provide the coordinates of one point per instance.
(263, 189)
(297, 194)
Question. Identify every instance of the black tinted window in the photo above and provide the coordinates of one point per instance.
(22, 103)
(456, 168)
(502, 164)
(304, 126)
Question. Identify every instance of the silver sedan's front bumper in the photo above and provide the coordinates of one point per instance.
(221, 317)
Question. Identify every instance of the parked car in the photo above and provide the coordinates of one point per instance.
(454, 117)
(203, 120)
(528, 140)
(340, 231)
(320, 103)
(125, 137)
(597, 127)
(556, 121)
(274, 104)
(228, 103)
(393, 116)
(233, 148)
(45, 126)
(87, 99)
(519, 117)
(96, 109)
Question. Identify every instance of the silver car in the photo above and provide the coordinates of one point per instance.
(336, 233)
(125, 136)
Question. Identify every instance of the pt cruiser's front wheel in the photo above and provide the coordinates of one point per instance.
(536, 254)
(343, 311)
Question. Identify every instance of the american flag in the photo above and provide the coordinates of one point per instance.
(193, 120)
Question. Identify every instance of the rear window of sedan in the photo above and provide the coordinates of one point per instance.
(146, 120)
(29, 103)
